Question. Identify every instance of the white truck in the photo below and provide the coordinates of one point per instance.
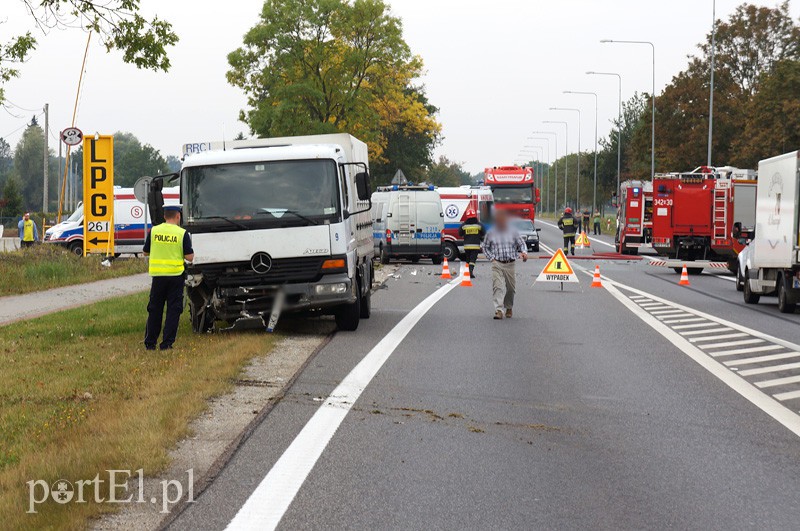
(278, 224)
(774, 252)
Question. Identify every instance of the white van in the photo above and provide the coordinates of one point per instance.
(129, 229)
(408, 222)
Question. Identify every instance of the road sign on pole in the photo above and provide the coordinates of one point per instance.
(72, 136)
(98, 195)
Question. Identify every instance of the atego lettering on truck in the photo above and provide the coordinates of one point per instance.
(407, 222)
(514, 190)
(701, 218)
(278, 225)
(456, 202)
(129, 223)
(634, 217)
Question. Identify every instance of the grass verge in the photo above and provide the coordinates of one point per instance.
(79, 395)
(49, 266)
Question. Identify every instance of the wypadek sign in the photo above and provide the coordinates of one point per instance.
(98, 195)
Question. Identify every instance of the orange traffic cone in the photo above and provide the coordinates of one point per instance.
(684, 277)
(446, 270)
(466, 281)
(596, 281)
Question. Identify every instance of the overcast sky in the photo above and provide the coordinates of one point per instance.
(493, 68)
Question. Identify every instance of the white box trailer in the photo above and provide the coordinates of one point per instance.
(775, 250)
(278, 224)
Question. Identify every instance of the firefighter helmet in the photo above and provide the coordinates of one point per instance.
(568, 210)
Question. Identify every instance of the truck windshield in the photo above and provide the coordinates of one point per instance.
(513, 194)
(303, 191)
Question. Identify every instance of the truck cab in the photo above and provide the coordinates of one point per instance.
(279, 225)
(635, 217)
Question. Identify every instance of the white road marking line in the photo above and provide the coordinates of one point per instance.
(749, 350)
(676, 321)
(714, 338)
(774, 368)
(698, 325)
(706, 331)
(762, 359)
(650, 305)
(734, 343)
(669, 312)
(787, 396)
(266, 506)
(776, 410)
(638, 298)
(778, 381)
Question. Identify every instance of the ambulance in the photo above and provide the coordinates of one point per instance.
(129, 223)
(456, 203)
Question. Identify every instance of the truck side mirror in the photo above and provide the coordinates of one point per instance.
(363, 187)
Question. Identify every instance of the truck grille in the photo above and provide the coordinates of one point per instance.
(240, 274)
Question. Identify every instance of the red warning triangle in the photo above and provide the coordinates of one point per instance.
(558, 269)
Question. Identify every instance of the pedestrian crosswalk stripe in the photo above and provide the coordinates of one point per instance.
(787, 396)
(773, 368)
(715, 338)
(734, 343)
(748, 350)
(778, 381)
(763, 359)
(682, 320)
(699, 325)
(705, 331)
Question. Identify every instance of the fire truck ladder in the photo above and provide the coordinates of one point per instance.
(720, 214)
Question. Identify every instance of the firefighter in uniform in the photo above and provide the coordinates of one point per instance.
(472, 232)
(167, 245)
(567, 224)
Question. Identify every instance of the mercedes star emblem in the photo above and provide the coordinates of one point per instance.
(261, 263)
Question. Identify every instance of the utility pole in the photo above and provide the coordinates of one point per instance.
(45, 184)
(711, 96)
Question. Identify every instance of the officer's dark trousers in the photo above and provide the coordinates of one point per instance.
(472, 257)
(169, 291)
(569, 244)
(597, 228)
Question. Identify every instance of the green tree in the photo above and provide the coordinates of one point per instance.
(12, 203)
(118, 23)
(29, 166)
(445, 172)
(133, 160)
(323, 66)
(773, 117)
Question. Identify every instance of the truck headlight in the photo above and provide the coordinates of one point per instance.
(330, 289)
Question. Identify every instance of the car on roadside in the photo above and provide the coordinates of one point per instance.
(528, 232)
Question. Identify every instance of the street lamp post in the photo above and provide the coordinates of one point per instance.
(619, 122)
(711, 95)
(566, 160)
(541, 182)
(578, 176)
(555, 169)
(583, 93)
(652, 96)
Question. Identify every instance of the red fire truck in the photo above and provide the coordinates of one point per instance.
(514, 190)
(635, 217)
(696, 220)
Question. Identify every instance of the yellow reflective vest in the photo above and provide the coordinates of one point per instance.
(166, 250)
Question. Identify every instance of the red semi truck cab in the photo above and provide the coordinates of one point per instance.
(514, 189)
(635, 217)
(696, 217)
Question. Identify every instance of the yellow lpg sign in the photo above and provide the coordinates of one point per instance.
(98, 195)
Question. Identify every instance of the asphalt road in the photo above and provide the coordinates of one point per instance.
(617, 408)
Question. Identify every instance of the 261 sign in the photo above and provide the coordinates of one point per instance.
(98, 195)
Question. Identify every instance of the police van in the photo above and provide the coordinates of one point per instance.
(407, 222)
(129, 223)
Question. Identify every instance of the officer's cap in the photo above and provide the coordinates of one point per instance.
(172, 208)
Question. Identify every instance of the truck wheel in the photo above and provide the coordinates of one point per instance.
(739, 281)
(749, 296)
(76, 248)
(436, 259)
(415, 259)
(536, 248)
(384, 256)
(366, 300)
(694, 271)
(450, 251)
(348, 315)
(784, 306)
(202, 319)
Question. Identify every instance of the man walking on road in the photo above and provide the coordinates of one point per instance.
(472, 232)
(567, 225)
(503, 245)
(170, 246)
(28, 231)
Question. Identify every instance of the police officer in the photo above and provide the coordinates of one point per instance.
(567, 224)
(167, 245)
(472, 232)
